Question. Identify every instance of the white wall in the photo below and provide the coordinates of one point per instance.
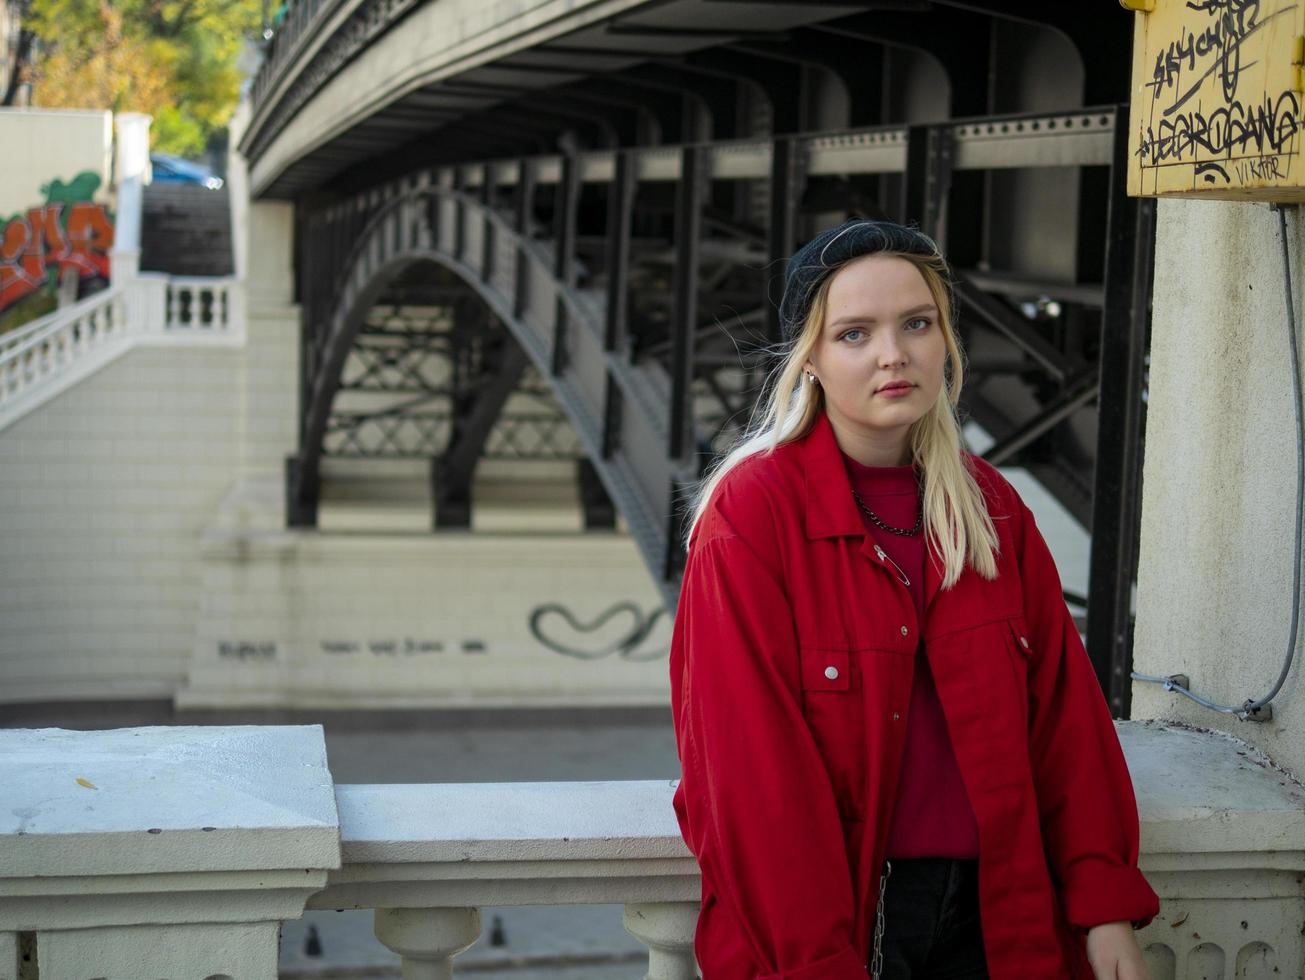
(1214, 582)
(46, 144)
(104, 491)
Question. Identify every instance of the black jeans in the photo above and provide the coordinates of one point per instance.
(931, 921)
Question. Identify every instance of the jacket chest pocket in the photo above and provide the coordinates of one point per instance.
(833, 708)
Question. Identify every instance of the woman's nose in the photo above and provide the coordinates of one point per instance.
(891, 352)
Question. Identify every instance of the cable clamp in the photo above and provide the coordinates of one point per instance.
(1264, 713)
(1177, 680)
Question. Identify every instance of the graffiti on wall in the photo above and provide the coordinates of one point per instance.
(68, 235)
(1219, 106)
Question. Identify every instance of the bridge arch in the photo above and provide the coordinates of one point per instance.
(559, 327)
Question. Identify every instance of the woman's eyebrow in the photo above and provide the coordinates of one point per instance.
(913, 311)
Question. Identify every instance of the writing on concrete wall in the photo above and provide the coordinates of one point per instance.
(406, 647)
(68, 234)
(553, 625)
(1217, 104)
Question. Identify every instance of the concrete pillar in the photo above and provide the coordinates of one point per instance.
(667, 929)
(1219, 477)
(270, 251)
(428, 939)
(131, 173)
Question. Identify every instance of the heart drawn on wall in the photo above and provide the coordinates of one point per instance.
(556, 627)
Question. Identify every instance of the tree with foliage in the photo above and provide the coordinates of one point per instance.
(172, 59)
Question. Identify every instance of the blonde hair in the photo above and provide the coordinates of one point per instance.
(956, 519)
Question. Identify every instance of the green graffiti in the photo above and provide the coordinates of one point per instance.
(80, 188)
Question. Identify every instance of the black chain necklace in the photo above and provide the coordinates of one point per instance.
(880, 523)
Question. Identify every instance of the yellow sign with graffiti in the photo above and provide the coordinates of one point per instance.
(1217, 100)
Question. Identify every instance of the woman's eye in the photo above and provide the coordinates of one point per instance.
(852, 335)
(918, 323)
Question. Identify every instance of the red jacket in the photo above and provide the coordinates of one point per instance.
(791, 666)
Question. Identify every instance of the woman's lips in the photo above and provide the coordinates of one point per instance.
(896, 391)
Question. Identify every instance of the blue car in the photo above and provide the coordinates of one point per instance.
(169, 168)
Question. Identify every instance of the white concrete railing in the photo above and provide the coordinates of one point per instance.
(172, 852)
(44, 357)
(428, 858)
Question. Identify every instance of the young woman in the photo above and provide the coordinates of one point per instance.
(896, 757)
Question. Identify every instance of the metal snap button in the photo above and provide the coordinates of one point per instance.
(831, 673)
(896, 716)
(905, 631)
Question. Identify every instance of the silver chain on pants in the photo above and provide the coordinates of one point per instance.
(877, 956)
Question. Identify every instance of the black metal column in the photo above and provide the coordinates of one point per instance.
(525, 219)
(785, 192)
(302, 488)
(459, 217)
(599, 511)
(928, 179)
(689, 196)
(1121, 412)
(620, 214)
(684, 302)
(568, 199)
(489, 245)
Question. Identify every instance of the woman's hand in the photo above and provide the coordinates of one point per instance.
(1114, 954)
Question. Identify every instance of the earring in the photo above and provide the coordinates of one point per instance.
(812, 378)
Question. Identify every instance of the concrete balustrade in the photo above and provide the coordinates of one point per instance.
(161, 852)
(666, 928)
(174, 853)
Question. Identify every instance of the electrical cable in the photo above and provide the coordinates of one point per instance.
(1249, 707)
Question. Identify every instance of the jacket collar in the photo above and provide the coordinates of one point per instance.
(830, 510)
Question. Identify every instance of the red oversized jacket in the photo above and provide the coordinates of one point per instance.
(791, 667)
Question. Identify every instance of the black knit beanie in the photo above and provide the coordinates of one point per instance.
(819, 258)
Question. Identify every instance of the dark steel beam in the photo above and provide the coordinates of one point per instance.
(786, 180)
(961, 47)
(1121, 425)
(1072, 397)
(782, 83)
(452, 473)
(599, 511)
(1015, 329)
(564, 217)
(489, 253)
(684, 306)
(922, 189)
(620, 214)
(691, 33)
(1103, 37)
(525, 226)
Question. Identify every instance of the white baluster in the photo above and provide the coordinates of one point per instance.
(666, 928)
(427, 939)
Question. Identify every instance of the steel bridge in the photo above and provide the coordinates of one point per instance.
(550, 230)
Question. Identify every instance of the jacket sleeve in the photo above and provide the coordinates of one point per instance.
(757, 807)
(1085, 795)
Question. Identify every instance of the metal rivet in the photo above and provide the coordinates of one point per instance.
(905, 631)
(896, 716)
(831, 673)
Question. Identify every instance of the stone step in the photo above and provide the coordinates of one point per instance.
(186, 231)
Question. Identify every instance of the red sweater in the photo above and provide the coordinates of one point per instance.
(932, 816)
